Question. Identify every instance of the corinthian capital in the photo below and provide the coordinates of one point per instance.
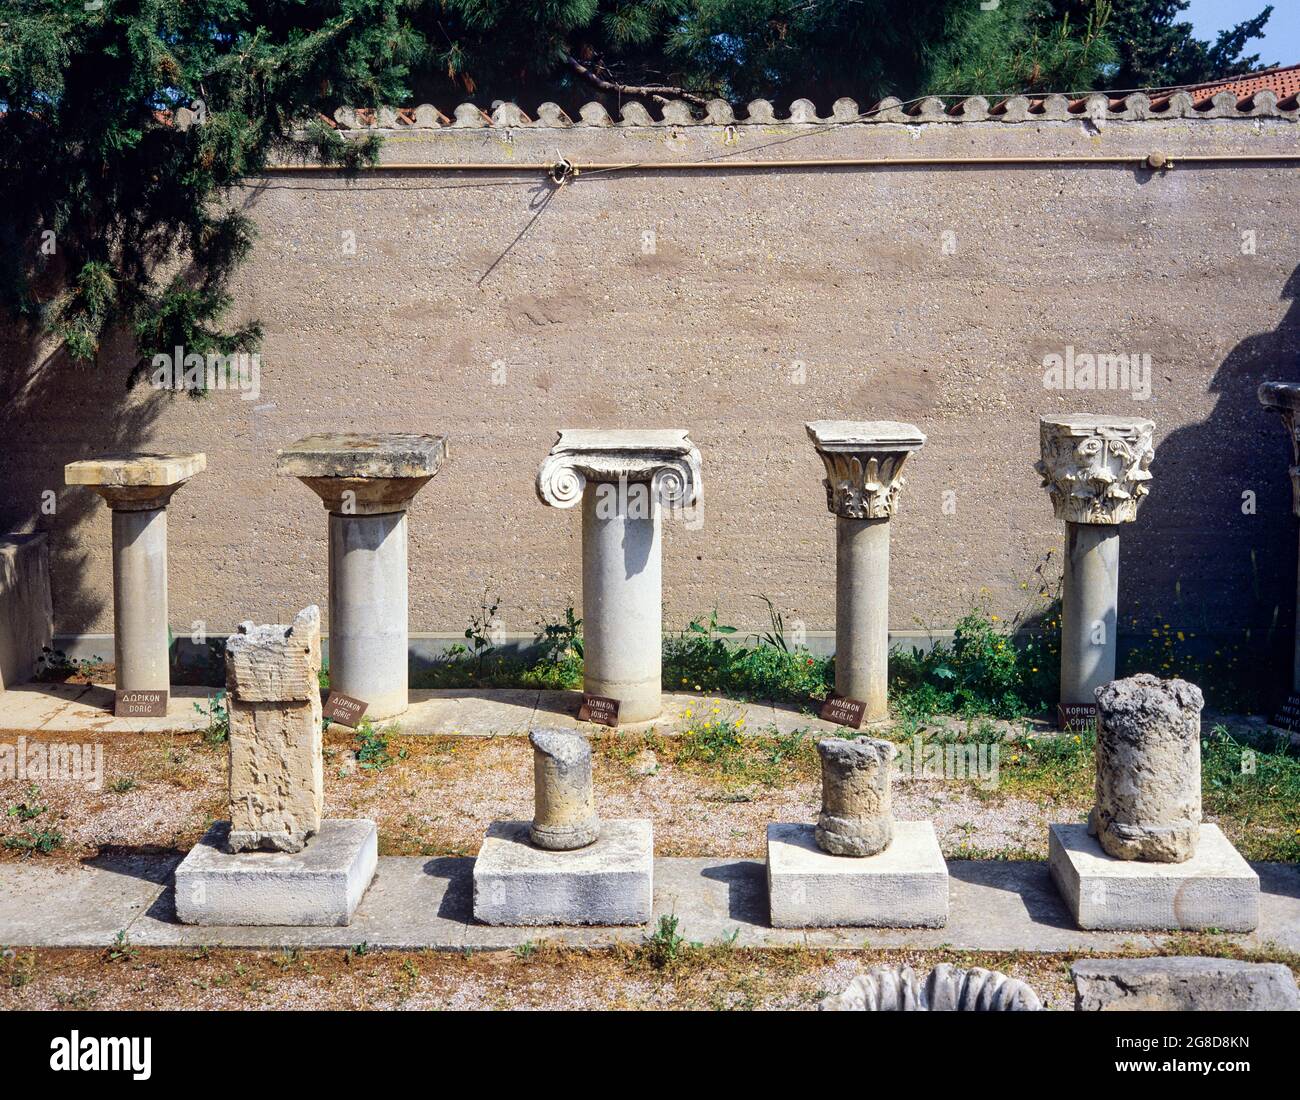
(1095, 468)
(665, 459)
(1284, 399)
(864, 460)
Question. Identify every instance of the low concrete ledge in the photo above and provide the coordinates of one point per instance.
(417, 902)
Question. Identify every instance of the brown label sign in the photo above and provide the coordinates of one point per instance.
(1076, 716)
(599, 709)
(140, 703)
(844, 711)
(344, 709)
(1288, 714)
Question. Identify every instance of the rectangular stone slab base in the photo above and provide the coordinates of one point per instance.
(608, 882)
(1214, 889)
(321, 885)
(905, 886)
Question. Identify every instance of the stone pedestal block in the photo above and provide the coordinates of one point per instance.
(1216, 888)
(905, 886)
(366, 483)
(320, 885)
(624, 480)
(609, 882)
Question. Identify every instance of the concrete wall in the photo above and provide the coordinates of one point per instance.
(456, 277)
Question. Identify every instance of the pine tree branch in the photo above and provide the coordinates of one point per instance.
(658, 92)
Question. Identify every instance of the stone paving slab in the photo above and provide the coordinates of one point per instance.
(88, 708)
(417, 902)
(504, 712)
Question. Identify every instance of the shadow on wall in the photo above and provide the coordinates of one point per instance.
(53, 411)
(1214, 549)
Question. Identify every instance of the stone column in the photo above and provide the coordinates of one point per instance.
(137, 488)
(1095, 469)
(277, 780)
(623, 479)
(1148, 769)
(855, 819)
(366, 483)
(1284, 399)
(864, 462)
(564, 814)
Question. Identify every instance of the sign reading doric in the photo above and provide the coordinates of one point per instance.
(344, 709)
(140, 703)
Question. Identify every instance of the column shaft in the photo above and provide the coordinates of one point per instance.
(1295, 667)
(140, 642)
(368, 615)
(1089, 610)
(862, 612)
(622, 601)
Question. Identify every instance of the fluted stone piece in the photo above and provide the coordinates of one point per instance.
(276, 770)
(1148, 769)
(946, 988)
(564, 815)
(855, 819)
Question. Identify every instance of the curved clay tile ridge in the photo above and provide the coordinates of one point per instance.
(760, 112)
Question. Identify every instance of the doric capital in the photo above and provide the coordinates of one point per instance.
(1284, 398)
(664, 458)
(864, 460)
(135, 482)
(364, 475)
(1096, 467)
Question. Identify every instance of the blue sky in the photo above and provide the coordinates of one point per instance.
(1281, 41)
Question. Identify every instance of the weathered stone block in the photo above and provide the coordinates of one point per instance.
(1148, 769)
(611, 881)
(320, 885)
(277, 780)
(1216, 888)
(905, 886)
(1188, 984)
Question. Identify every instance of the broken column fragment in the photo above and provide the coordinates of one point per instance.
(855, 819)
(1148, 769)
(564, 815)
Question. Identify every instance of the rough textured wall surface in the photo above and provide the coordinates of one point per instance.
(498, 309)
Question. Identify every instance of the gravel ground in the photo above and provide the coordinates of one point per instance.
(548, 978)
(440, 794)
